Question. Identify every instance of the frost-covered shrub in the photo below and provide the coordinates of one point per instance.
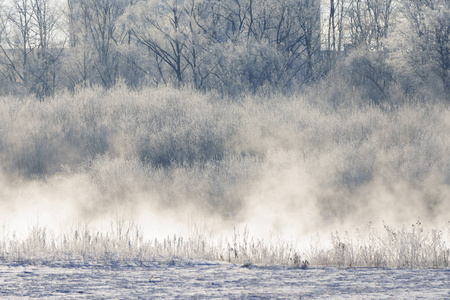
(310, 164)
(162, 127)
(418, 247)
(216, 187)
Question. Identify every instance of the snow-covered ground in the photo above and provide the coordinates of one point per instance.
(204, 279)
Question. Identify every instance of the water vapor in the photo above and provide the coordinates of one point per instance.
(177, 162)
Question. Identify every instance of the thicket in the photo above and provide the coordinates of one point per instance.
(198, 148)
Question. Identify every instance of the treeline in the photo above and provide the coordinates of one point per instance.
(379, 48)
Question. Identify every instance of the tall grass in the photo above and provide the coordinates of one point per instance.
(124, 244)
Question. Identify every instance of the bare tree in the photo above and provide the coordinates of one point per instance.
(369, 22)
(273, 43)
(29, 53)
(219, 44)
(428, 38)
(166, 29)
(47, 53)
(94, 35)
(19, 42)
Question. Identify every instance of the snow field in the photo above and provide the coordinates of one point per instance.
(187, 279)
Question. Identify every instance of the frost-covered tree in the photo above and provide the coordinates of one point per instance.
(370, 21)
(163, 28)
(29, 48)
(334, 29)
(273, 43)
(94, 34)
(229, 45)
(427, 39)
